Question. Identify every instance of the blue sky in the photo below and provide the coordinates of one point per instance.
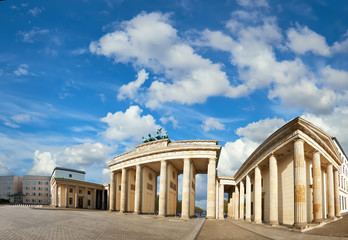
(82, 81)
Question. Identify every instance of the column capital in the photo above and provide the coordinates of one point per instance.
(299, 140)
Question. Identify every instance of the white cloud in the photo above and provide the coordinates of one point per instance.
(35, 11)
(334, 79)
(129, 125)
(12, 125)
(32, 35)
(303, 40)
(253, 3)
(234, 154)
(130, 90)
(212, 124)
(44, 164)
(22, 118)
(340, 47)
(165, 120)
(22, 70)
(4, 170)
(148, 40)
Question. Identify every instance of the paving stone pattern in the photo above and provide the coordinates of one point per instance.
(20, 222)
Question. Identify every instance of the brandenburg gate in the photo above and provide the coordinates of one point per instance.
(133, 176)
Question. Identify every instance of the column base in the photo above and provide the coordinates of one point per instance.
(331, 217)
(300, 225)
(318, 221)
(248, 220)
(258, 221)
(273, 223)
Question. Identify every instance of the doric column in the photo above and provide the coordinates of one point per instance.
(241, 200)
(221, 201)
(185, 212)
(103, 200)
(317, 192)
(112, 191)
(236, 203)
(324, 189)
(123, 190)
(257, 196)
(66, 195)
(85, 199)
(273, 191)
(337, 196)
(94, 198)
(300, 184)
(331, 194)
(232, 207)
(211, 198)
(76, 196)
(163, 190)
(248, 199)
(56, 191)
(137, 197)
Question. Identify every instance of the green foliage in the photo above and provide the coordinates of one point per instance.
(4, 201)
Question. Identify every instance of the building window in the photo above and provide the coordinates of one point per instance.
(46, 194)
(34, 194)
(89, 203)
(89, 192)
(70, 201)
(8, 182)
(33, 188)
(252, 187)
(80, 191)
(40, 194)
(27, 194)
(27, 200)
(27, 182)
(8, 194)
(27, 188)
(46, 183)
(40, 188)
(33, 182)
(70, 175)
(33, 200)
(46, 188)
(70, 190)
(39, 182)
(9, 187)
(40, 201)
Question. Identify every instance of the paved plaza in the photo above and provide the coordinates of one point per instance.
(19, 222)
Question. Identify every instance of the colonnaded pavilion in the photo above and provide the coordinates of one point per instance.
(290, 179)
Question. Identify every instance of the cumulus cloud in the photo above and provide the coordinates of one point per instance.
(22, 70)
(85, 154)
(303, 40)
(129, 124)
(171, 119)
(130, 90)
(233, 154)
(212, 124)
(149, 40)
(4, 170)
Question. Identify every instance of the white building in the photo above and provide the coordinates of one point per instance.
(36, 189)
(343, 177)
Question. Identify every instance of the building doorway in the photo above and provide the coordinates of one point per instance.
(80, 202)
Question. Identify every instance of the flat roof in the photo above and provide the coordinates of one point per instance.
(67, 169)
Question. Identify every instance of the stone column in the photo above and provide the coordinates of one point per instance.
(94, 198)
(56, 190)
(324, 189)
(211, 198)
(233, 207)
(85, 199)
(331, 194)
(221, 201)
(103, 200)
(112, 192)
(273, 191)
(337, 196)
(66, 195)
(236, 203)
(241, 200)
(185, 207)
(163, 190)
(123, 191)
(76, 196)
(248, 199)
(317, 192)
(137, 197)
(300, 184)
(257, 196)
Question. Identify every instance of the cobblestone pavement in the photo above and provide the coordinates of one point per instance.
(20, 222)
(220, 229)
(338, 228)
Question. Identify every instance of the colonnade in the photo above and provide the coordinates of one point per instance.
(121, 199)
(78, 197)
(325, 193)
